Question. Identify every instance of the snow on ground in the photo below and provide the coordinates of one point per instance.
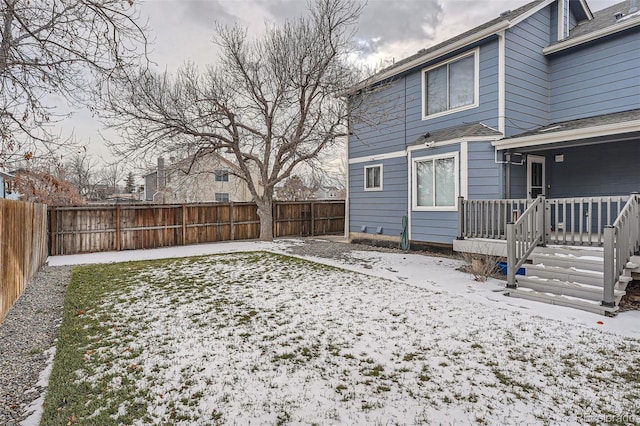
(414, 269)
(263, 339)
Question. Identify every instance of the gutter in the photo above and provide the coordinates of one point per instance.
(591, 36)
(568, 135)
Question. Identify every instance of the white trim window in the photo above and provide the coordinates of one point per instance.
(436, 182)
(451, 86)
(373, 178)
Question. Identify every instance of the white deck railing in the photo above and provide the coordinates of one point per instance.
(569, 221)
(612, 222)
(523, 236)
(621, 241)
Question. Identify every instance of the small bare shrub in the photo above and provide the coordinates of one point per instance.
(481, 265)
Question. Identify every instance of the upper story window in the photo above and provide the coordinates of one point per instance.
(450, 86)
(373, 178)
(222, 176)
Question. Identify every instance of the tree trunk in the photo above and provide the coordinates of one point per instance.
(265, 213)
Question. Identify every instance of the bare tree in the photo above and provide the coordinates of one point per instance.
(55, 47)
(270, 104)
(80, 172)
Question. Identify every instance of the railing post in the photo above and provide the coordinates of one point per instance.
(540, 220)
(609, 269)
(511, 255)
(461, 218)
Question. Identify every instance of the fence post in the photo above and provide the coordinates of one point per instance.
(52, 230)
(511, 255)
(609, 268)
(118, 227)
(313, 224)
(184, 225)
(232, 221)
(460, 218)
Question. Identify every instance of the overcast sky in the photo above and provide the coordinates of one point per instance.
(388, 29)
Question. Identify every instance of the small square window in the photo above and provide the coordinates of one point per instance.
(222, 176)
(222, 197)
(373, 178)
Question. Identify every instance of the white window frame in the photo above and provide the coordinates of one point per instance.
(414, 182)
(374, 188)
(476, 84)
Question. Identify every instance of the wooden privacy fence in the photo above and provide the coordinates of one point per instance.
(87, 229)
(23, 248)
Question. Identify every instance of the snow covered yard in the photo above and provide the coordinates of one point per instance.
(263, 338)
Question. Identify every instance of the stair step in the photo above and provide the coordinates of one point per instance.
(587, 263)
(565, 288)
(574, 251)
(565, 274)
(554, 299)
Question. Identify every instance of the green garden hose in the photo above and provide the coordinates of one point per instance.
(404, 238)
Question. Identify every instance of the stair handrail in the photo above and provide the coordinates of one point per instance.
(524, 236)
(621, 241)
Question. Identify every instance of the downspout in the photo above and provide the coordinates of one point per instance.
(507, 177)
(347, 226)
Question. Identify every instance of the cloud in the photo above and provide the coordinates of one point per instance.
(384, 23)
(206, 12)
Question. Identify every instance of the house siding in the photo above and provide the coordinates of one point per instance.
(486, 112)
(386, 108)
(582, 174)
(600, 78)
(379, 208)
(485, 177)
(527, 74)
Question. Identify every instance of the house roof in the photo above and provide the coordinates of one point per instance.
(606, 125)
(506, 19)
(604, 23)
(465, 131)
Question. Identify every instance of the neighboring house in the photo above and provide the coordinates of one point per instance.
(208, 178)
(7, 190)
(543, 100)
(329, 193)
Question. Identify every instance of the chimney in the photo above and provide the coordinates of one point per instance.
(162, 179)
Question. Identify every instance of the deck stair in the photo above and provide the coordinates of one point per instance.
(570, 277)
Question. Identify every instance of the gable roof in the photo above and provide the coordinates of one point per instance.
(604, 23)
(505, 20)
(606, 125)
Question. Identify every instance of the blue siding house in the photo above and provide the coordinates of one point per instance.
(538, 107)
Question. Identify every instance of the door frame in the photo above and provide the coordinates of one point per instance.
(539, 160)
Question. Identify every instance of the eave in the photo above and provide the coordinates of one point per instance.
(585, 38)
(568, 135)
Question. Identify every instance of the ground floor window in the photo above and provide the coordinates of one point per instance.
(435, 182)
(222, 197)
(373, 178)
